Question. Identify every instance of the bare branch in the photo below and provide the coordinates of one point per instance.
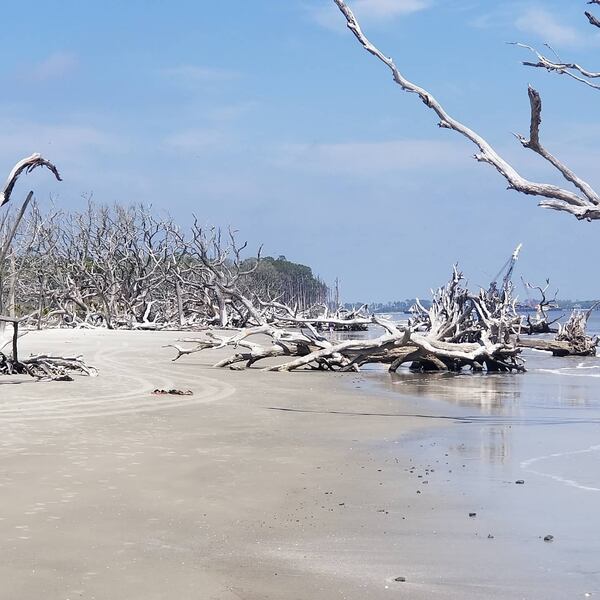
(562, 68)
(557, 198)
(533, 143)
(25, 165)
(591, 18)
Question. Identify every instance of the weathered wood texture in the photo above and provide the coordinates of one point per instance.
(459, 331)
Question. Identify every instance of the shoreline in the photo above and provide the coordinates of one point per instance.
(258, 486)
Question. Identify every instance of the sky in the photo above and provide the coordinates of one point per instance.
(267, 116)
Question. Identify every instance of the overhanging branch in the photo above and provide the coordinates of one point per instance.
(581, 206)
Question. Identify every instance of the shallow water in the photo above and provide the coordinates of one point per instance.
(542, 427)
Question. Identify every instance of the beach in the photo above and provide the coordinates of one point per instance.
(294, 485)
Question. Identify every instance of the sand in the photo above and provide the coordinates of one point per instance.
(259, 486)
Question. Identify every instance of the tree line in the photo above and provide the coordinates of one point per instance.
(126, 267)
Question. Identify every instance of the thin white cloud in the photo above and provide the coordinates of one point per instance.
(367, 159)
(55, 66)
(195, 140)
(227, 113)
(368, 11)
(88, 156)
(65, 140)
(543, 24)
(196, 74)
(385, 9)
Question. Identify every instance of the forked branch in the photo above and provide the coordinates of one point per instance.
(573, 70)
(581, 206)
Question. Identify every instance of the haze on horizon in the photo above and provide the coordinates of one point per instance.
(270, 118)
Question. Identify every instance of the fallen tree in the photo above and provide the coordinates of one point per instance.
(572, 338)
(460, 330)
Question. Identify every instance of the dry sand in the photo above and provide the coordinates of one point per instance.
(109, 492)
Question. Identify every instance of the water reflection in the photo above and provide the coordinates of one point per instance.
(551, 383)
(496, 408)
(492, 394)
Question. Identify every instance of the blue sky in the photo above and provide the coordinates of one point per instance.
(269, 117)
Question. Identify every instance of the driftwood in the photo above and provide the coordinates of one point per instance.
(555, 65)
(541, 323)
(571, 339)
(459, 331)
(537, 325)
(558, 348)
(583, 203)
(26, 165)
(40, 366)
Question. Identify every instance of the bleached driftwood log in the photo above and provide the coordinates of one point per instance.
(583, 203)
(572, 338)
(462, 330)
(318, 316)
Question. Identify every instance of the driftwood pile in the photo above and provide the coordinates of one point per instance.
(571, 339)
(460, 330)
(541, 323)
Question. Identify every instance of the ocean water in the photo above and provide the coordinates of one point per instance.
(542, 427)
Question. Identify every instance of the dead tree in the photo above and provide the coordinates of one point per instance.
(541, 322)
(9, 223)
(463, 331)
(126, 268)
(583, 203)
(40, 366)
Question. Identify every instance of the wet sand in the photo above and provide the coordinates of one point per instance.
(259, 486)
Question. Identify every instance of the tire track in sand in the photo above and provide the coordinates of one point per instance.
(123, 386)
